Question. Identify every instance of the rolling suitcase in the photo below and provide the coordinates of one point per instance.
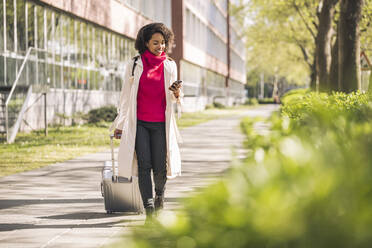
(120, 194)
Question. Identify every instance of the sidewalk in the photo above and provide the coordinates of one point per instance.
(61, 205)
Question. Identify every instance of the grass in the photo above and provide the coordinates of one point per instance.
(34, 150)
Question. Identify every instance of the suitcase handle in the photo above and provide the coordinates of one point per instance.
(116, 178)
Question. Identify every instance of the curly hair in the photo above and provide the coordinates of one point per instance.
(146, 32)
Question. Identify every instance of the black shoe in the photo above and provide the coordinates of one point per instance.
(159, 202)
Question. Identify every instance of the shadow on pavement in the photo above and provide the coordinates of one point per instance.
(23, 202)
(19, 226)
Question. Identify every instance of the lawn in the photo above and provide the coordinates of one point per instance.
(34, 150)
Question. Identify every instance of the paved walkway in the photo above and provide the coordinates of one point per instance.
(61, 205)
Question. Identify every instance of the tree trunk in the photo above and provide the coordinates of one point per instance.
(275, 93)
(313, 75)
(323, 43)
(333, 77)
(349, 45)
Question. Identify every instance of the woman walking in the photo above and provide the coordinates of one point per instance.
(146, 121)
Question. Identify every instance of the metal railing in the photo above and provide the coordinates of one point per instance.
(10, 137)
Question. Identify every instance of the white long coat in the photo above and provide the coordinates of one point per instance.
(127, 121)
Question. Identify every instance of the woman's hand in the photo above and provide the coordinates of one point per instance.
(175, 88)
(176, 93)
(118, 133)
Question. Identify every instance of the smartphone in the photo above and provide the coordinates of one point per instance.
(175, 85)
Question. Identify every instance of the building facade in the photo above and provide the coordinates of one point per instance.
(75, 51)
(210, 54)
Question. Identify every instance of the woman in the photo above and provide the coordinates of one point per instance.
(146, 120)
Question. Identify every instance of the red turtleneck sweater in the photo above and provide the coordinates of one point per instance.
(151, 101)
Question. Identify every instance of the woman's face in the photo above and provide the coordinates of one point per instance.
(156, 44)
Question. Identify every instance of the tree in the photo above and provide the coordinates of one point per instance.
(281, 33)
(277, 40)
(349, 45)
(323, 43)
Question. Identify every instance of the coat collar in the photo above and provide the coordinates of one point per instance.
(167, 64)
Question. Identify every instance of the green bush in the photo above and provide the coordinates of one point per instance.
(103, 114)
(267, 100)
(218, 105)
(307, 184)
(323, 109)
(293, 96)
(251, 101)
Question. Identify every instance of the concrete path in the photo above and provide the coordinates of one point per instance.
(61, 205)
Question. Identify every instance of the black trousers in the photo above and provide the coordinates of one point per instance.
(151, 153)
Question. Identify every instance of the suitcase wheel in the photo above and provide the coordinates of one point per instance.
(109, 212)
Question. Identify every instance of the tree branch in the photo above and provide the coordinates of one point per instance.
(304, 20)
(302, 48)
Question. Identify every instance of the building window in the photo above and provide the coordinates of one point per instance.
(79, 55)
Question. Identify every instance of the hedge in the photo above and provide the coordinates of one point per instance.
(306, 184)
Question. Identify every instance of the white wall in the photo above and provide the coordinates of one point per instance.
(65, 102)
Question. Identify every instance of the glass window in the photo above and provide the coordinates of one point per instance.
(89, 46)
(1, 33)
(50, 29)
(73, 77)
(126, 50)
(57, 37)
(112, 58)
(121, 50)
(74, 42)
(97, 47)
(31, 71)
(21, 25)
(92, 46)
(79, 43)
(2, 71)
(117, 48)
(10, 25)
(105, 48)
(31, 24)
(66, 40)
(40, 27)
(84, 44)
(1, 28)
(57, 77)
(10, 70)
(93, 82)
(66, 77)
(81, 78)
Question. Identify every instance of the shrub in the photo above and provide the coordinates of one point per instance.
(267, 100)
(103, 114)
(208, 106)
(293, 96)
(307, 184)
(251, 101)
(218, 105)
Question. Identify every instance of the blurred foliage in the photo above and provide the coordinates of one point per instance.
(266, 100)
(306, 184)
(294, 96)
(251, 101)
(103, 114)
(279, 40)
(218, 105)
(280, 36)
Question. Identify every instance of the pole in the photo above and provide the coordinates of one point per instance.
(45, 114)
